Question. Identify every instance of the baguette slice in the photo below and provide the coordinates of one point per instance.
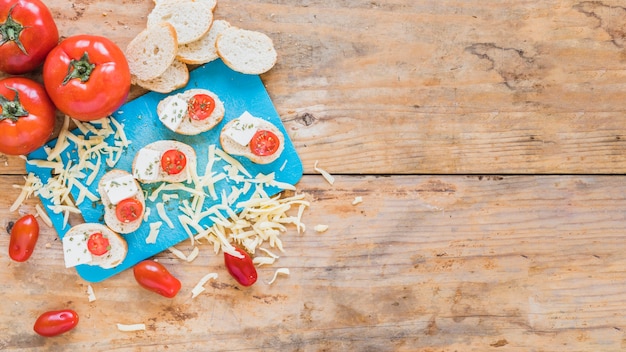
(110, 219)
(175, 76)
(116, 254)
(202, 50)
(246, 51)
(162, 147)
(152, 51)
(232, 147)
(191, 19)
(188, 125)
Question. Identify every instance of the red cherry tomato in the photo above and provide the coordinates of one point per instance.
(56, 322)
(27, 34)
(97, 244)
(87, 77)
(242, 269)
(27, 116)
(264, 143)
(201, 106)
(24, 235)
(154, 277)
(128, 210)
(173, 161)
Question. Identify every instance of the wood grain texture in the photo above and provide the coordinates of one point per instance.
(423, 264)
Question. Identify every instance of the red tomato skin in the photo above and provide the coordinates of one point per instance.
(39, 36)
(154, 277)
(107, 87)
(24, 235)
(33, 130)
(56, 322)
(242, 269)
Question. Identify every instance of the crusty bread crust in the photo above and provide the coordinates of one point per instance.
(116, 254)
(175, 76)
(246, 51)
(190, 126)
(163, 146)
(110, 219)
(190, 19)
(152, 51)
(234, 148)
(202, 50)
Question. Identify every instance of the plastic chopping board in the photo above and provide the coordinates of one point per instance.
(239, 93)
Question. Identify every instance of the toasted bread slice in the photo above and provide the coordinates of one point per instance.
(190, 126)
(110, 218)
(233, 147)
(148, 170)
(191, 19)
(152, 51)
(246, 51)
(202, 50)
(118, 246)
(175, 76)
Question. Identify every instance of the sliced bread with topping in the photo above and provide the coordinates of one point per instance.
(246, 51)
(254, 138)
(178, 111)
(191, 19)
(79, 236)
(152, 51)
(202, 50)
(153, 162)
(123, 200)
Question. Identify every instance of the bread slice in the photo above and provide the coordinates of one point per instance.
(191, 19)
(232, 147)
(175, 76)
(190, 126)
(116, 254)
(110, 219)
(246, 51)
(162, 147)
(152, 51)
(202, 50)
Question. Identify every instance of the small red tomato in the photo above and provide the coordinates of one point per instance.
(24, 235)
(97, 244)
(242, 269)
(154, 277)
(264, 143)
(56, 322)
(173, 161)
(201, 106)
(129, 210)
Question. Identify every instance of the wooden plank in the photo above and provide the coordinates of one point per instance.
(423, 263)
(445, 87)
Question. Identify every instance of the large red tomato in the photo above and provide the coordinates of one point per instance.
(27, 34)
(27, 116)
(87, 77)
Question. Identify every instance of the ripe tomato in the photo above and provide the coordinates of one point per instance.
(27, 34)
(154, 276)
(264, 143)
(201, 106)
(242, 269)
(27, 116)
(128, 210)
(173, 161)
(97, 244)
(56, 322)
(24, 235)
(87, 77)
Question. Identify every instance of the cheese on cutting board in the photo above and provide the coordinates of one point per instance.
(242, 129)
(174, 112)
(120, 188)
(148, 163)
(75, 251)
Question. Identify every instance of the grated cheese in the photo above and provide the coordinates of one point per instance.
(283, 271)
(357, 200)
(329, 178)
(199, 287)
(154, 232)
(131, 327)
(43, 215)
(320, 228)
(91, 294)
(163, 215)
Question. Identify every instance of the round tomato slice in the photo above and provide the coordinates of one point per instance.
(264, 143)
(97, 244)
(201, 106)
(128, 210)
(173, 161)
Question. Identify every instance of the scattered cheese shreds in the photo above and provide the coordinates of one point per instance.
(199, 288)
(284, 271)
(154, 232)
(321, 228)
(131, 327)
(357, 200)
(91, 294)
(178, 253)
(329, 178)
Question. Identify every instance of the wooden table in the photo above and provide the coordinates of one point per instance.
(487, 140)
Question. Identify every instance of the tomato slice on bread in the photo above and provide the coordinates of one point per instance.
(264, 143)
(97, 244)
(201, 106)
(128, 210)
(173, 161)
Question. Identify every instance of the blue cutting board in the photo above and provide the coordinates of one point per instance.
(239, 93)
